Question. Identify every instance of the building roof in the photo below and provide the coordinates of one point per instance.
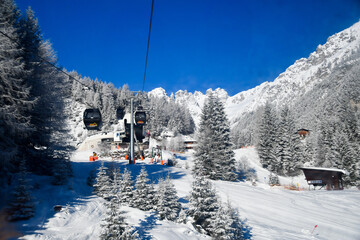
(325, 169)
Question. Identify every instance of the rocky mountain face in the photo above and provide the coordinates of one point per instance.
(290, 87)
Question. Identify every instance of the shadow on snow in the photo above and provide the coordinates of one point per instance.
(77, 192)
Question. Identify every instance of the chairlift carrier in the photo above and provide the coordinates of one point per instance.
(92, 118)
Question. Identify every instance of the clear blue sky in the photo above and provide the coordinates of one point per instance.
(195, 44)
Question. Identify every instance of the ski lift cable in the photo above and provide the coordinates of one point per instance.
(46, 61)
(148, 43)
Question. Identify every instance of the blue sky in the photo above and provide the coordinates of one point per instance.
(195, 44)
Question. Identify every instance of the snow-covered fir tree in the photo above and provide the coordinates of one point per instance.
(115, 188)
(22, 206)
(224, 155)
(273, 179)
(267, 140)
(288, 145)
(168, 205)
(214, 152)
(15, 98)
(325, 155)
(103, 185)
(182, 218)
(126, 188)
(144, 192)
(237, 228)
(345, 159)
(220, 225)
(203, 164)
(114, 226)
(204, 204)
(49, 88)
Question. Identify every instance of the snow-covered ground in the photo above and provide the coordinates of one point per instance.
(271, 212)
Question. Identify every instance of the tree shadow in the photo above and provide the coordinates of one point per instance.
(77, 192)
(180, 157)
(47, 196)
(155, 171)
(146, 225)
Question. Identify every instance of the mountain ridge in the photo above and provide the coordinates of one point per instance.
(289, 86)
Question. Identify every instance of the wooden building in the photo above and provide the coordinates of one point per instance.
(303, 132)
(324, 177)
(190, 144)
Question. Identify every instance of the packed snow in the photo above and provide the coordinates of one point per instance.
(270, 212)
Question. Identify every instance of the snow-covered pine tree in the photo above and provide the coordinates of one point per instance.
(266, 143)
(220, 225)
(182, 217)
(350, 144)
(144, 192)
(103, 184)
(345, 158)
(224, 161)
(126, 188)
(273, 179)
(115, 227)
(108, 110)
(237, 228)
(288, 145)
(214, 152)
(50, 89)
(15, 99)
(202, 162)
(115, 188)
(22, 206)
(203, 203)
(168, 205)
(325, 154)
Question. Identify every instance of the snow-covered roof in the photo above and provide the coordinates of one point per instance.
(326, 169)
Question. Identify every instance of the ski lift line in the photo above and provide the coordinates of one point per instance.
(46, 61)
(148, 43)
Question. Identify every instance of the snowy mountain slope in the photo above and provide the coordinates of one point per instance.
(300, 77)
(271, 212)
(289, 86)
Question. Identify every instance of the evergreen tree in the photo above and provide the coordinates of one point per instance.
(220, 225)
(224, 159)
(49, 88)
(144, 192)
(237, 229)
(115, 227)
(203, 203)
(126, 188)
(325, 155)
(115, 188)
(103, 184)
(288, 147)
(345, 157)
(267, 140)
(273, 179)
(168, 205)
(182, 217)
(15, 98)
(214, 155)
(22, 206)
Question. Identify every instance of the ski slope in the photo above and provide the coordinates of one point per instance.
(271, 212)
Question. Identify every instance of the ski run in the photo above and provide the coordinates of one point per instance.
(271, 212)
